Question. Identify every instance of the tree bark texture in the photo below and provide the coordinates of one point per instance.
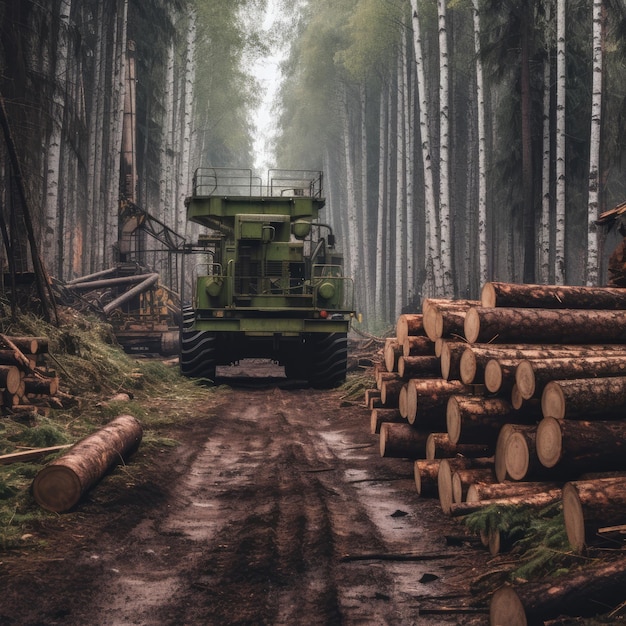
(419, 367)
(60, 485)
(418, 346)
(549, 325)
(402, 441)
(380, 416)
(463, 478)
(409, 325)
(500, 294)
(439, 446)
(431, 397)
(533, 500)
(425, 475)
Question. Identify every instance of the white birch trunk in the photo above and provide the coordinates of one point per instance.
(544, 227)
(482, 154)
(444, 161)
(559, 245)
(433, 250)
(389, 226)
(165, 213)
(594, 151)
(409, 176)
(365, 231)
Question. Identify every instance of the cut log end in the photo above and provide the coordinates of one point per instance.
(549, 442)
(488, 295)
(553, 401)
(57, 488)
(517, 456)
(453, 419)
(467, 366)
(493, 375)
(471, 325)
(506, 609)
(525, 379)
(574, 517)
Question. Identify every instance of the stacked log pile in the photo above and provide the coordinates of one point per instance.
(27, 385)
(530, 397)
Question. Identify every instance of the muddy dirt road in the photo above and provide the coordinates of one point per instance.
(275, 508)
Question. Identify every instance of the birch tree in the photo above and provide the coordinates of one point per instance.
(594, 146)
(559, 243)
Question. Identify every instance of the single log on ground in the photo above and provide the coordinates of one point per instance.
(581, 446)
(380, 416)
(476, 419)
(439, 446)
(425, 474)
(499, 294)
(592, 504)
(418, 346)
(500, 375)
(426, 394)
(533, 500)
(447, 467)
(582, 593)
(60, 485)
(462, 479)
(10, 378)
(532, 376)
(390, 392)
(402, 441)
(537, 325)
(584, 397)
(419, 367)
(409, 325)
(450, 359)
(391, 353)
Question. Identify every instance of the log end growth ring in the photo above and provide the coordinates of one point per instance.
(553, 401)
(453, 420)
(517, 456)
(574, 517)
(444, 485)
(57, 488)
(471, 326)
(488, 295)
(525, 379)
(506, 609)
(549, 441)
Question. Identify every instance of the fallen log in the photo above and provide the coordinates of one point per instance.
(401, 441)
(408, 325)
(538, 325)
(380, 416)
(419, 367)
(492, 490)
(583, 593)
(426, 395)
(531, 377)
(500, 294)
(48, 385)
(425, 475)
(30, 345)
(60, 485)
(592, 504)
(581, 446)
(439, 446)
(10, 378)
(584, 397)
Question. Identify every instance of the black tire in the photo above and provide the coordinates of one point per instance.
(295, 369)
(329, 360)
(197, 354)
(189, 316)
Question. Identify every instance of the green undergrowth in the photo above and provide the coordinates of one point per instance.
(536, 538)
(93, 370)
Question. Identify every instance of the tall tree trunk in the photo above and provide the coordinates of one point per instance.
(433, 250)
(594, 147)
(544, 228)
(365, 228)
(401, 252)
(559, 244)
(445, 241)
(379, 277)
(482, 167)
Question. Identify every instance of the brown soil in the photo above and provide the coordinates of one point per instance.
(275, 508)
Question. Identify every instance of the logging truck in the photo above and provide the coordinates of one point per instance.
(269, 282)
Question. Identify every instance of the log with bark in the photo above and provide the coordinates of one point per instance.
(439, 446)
(390, 391)
(450, 359)
(447, 467)
(581, 446)
(10, 378)
(500, 375)
(402, 402)
(476, 419)
(520, 454)
(425, 474)
(418, 345)
(592, 504)
(544, 325)
(380, 416)
(60, 485)
(584, 593)
(462, 479)
(493, 490)
(371, 397)
(604, 398)
(531, 500)
(443, 321)
(402, 441)
(500, 294)
(532, 376)
(430, 395)
(409, 325)
(419, 367)
(391, 353)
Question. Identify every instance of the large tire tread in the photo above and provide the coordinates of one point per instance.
(329, 360)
